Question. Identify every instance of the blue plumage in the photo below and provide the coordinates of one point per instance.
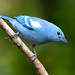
(35, 30)
(24, 20)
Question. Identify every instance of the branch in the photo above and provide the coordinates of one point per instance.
(40, 68)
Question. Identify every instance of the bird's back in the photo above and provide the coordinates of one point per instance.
(37, 35)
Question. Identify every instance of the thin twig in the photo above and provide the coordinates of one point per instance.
(40, 68)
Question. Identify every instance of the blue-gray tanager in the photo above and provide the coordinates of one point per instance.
(35, 30)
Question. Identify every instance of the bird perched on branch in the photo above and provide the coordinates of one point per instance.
(35, 30)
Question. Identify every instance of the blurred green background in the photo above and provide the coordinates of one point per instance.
(58, 58)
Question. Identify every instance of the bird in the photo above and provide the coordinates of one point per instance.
(35, 30)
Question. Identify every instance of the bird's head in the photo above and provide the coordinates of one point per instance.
(56, 34)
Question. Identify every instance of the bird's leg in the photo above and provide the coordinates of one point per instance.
(35, 54)
(15, 35)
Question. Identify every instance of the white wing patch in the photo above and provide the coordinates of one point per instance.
(26, 21)
(35, 24)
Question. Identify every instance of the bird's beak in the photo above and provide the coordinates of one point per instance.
(64, 40)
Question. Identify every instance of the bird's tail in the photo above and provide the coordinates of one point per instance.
(6, 18)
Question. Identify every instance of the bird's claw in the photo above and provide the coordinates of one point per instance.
(15, 35)
(34, 57)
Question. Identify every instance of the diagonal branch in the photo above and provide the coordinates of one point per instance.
(40, 68)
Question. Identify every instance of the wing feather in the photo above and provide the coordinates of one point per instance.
(25, 21)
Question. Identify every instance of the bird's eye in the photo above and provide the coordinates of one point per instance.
(58, 33)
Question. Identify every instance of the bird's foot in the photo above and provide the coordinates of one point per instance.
(15, 35)
(35, 54)
(34, 57)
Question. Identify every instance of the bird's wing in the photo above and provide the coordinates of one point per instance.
(30, 22)
(25, 21)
